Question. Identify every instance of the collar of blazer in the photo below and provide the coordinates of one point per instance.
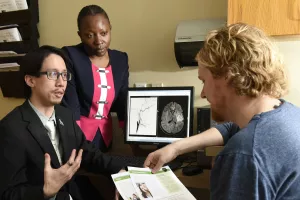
(39, 132)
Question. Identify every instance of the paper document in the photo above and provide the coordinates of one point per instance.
(9, 67)
(7, 53)
(8, 5)
(8, 26)
(10, 35)
(21, 4)
(142, 184)
(125, 187)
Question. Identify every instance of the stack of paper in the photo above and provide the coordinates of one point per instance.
(7, 53)
(9, 67)
(21, 4)
(140, 184)
(10, 33)
(12, 5)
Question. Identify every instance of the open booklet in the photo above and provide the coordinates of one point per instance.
(140, 184)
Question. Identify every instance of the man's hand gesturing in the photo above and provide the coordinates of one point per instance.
(54, 179)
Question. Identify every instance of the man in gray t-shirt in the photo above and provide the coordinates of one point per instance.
(260, 161)
(244, 80)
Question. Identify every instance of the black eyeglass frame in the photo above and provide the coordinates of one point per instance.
(68, 76)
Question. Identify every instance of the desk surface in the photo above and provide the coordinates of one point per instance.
(197, 181)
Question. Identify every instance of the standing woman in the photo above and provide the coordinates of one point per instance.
(99, 78)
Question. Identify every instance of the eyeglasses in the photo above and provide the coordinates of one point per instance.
(54, 75)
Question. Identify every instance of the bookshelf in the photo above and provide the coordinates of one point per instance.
(11, 82)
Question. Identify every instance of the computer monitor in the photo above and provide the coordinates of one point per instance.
(159, 115)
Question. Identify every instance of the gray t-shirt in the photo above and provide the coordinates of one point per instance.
(262, 160)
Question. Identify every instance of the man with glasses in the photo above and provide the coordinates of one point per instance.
(41, 146)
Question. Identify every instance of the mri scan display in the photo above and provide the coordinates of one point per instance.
(159, 116)
(172, 119)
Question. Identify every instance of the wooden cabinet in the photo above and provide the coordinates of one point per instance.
(275, 17)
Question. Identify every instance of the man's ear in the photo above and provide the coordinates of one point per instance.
(29, 80)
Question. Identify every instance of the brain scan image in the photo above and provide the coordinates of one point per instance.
(163, 116)
(172, 116)
(172, 119)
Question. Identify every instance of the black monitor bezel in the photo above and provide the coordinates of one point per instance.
(190, 88)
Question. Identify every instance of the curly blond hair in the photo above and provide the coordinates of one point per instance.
(247, 58)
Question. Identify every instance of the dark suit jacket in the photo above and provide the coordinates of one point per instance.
(23, 143)
(79, 93)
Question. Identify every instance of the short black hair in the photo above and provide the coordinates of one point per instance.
(32, 63)
(90, 10)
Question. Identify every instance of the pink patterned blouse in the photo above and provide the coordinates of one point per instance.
(99, 116)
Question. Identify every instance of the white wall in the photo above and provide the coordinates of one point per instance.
(290, 49)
